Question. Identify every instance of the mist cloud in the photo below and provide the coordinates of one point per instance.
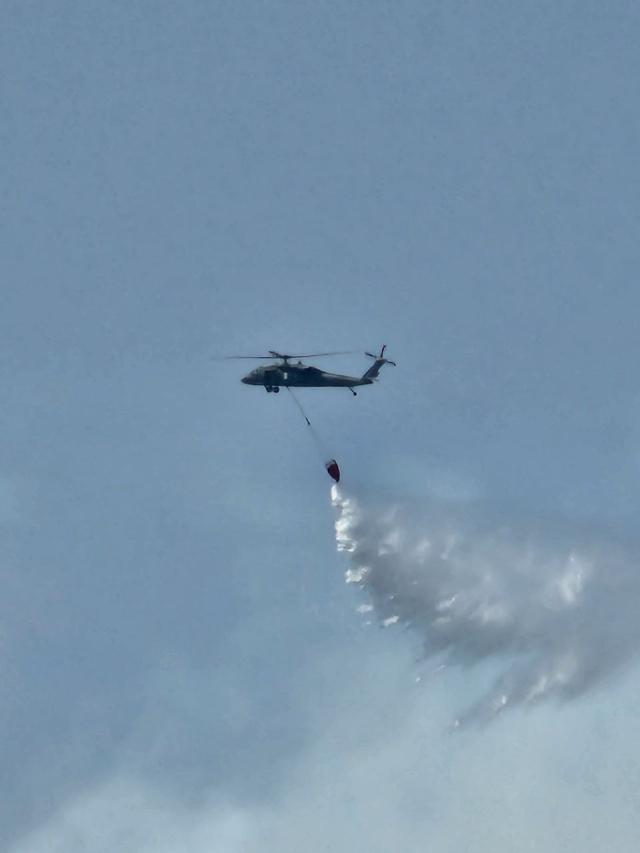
(554, 608)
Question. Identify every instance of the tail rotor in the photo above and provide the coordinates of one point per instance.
(381, 357)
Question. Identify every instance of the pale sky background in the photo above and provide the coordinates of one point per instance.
(182, 665)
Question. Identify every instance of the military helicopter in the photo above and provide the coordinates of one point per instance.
(299, 375)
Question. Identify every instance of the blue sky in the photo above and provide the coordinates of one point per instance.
(456, 180)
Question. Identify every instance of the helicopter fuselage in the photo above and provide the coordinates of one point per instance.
(301, 376)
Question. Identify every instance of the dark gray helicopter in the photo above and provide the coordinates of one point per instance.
(287, 375)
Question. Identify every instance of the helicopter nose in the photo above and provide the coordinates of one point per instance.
(246, 380)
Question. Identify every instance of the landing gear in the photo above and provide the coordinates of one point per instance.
(274, 388)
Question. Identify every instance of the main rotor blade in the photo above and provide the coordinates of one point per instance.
(321, 354)
(273, 354)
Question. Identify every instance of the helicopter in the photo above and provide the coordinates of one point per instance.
(272, 377)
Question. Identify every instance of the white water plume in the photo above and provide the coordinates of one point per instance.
(555, 608)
